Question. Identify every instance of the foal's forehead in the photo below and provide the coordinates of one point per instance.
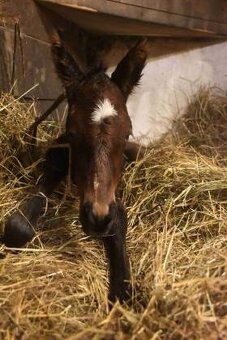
(100, 87)
(98, 109)
(102, 98)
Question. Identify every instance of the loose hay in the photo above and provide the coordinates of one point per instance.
(177, 206)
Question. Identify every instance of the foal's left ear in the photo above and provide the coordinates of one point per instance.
(129, 70)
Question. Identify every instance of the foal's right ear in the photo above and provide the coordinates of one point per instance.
(66, 67)
(129, 71)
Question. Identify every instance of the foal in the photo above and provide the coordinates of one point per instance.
(97, 130)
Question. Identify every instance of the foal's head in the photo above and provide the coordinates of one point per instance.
(99, 126)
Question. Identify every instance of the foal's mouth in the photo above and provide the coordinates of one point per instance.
(98, 235)
(97, 232)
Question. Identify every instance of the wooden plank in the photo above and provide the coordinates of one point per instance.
(5, 69)
(26, 13)
(34, 67)
(212, 10)
(184, 19)
(91, 18)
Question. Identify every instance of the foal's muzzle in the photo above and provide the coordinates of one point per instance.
(98, 226)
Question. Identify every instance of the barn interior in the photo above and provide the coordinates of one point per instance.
(56, 287)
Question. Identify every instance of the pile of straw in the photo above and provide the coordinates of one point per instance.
(176, 198)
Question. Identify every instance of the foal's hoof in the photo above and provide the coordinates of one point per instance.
(123, 294)
(17, 231)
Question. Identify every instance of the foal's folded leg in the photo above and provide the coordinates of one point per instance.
(119, 273)
(20, 226)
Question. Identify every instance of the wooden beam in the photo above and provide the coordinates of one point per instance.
(196, 17)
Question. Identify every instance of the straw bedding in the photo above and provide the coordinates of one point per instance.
(176, 200)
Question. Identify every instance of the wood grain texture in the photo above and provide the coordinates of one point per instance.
(197, 17)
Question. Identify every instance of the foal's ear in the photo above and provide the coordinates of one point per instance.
(66, 67)
(129, 70)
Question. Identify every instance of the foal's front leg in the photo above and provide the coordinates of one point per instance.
(119, 273)
(20, 226)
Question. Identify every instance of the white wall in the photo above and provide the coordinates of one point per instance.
(169, 82)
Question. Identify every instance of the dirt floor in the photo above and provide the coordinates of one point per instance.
(176, 199)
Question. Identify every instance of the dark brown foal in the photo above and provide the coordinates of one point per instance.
(97, 131)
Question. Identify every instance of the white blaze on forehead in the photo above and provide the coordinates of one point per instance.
(103, 110)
